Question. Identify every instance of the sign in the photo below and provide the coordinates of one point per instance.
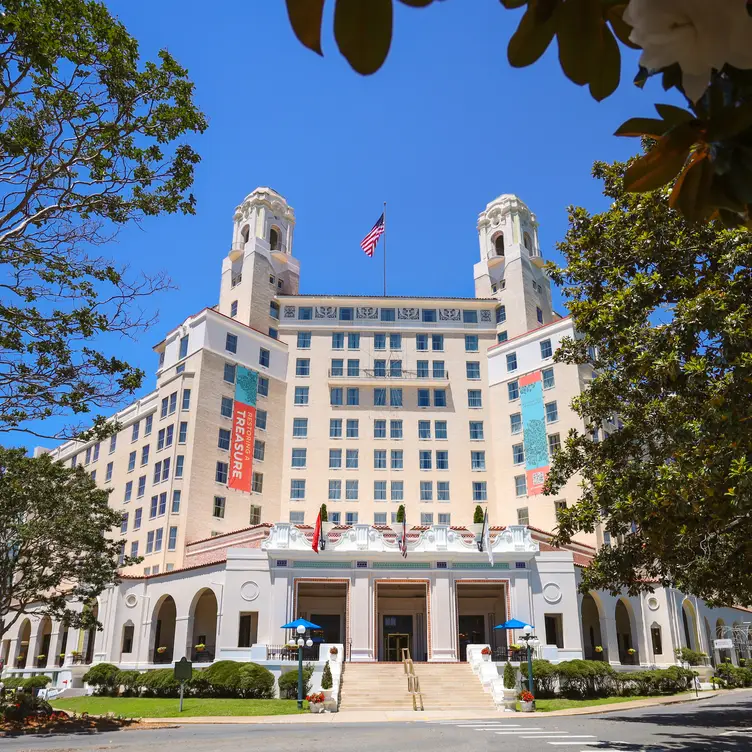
(183, 670)
(243, 430)
(724, 644)
(534, 427)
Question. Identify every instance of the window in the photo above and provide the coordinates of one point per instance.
(552, 412)
(124, 523)
(303, 367)
(297, 518)
(219, 507)
(548, 378)
(229, 375)
(88, 456)
(137, 515)
(172, 539)
(379, 341)
(173, 402)
(131, 461)
(263, 357)
(337, 367)
(353, 341)
(183, 349)
(263, 386)
(387, 314)
(257, 483)
(655, 637)
(426, 490)
(515, 422)
(161, 439)
(351, 428)
(396, 459)
(220, 474)
(397, 492)
(273, 333)
(478, 460)
(233, 309)
(335, 490)
(379, 459)
(469, 317)
(225, 409)
(424, 429)
(231, 343)
(429, 315)
(300, 428)
(426, 518)
(442, 459)
(474, 398)
(305, 313)
(304, 340)
(301, 395)
(422, 371)
(395, 429)
(261, 420)
(166, 469)
(480, 492)
(128, 491)
(259, 450)
(134, 555)
(395, 397)
(162, 503)
(438, 369)
(335, 459)
(93, 474)
(346, 314)
(471, 343)
(336, 396)
(554, 631)
(442, 491)
(379, 518)
(351, 490)
(511, 361)
(170, 435)
(134, 437)
(379, 429)
(439, 398)
(395, 369)
(223, 440)
(424, 457)
(445, 518)
(421, 342)
(501, 314)
(518, 454)
(559, 506)
(353, 396)
(182, 432)
(351, 518)
(255, 515)
(338, 340)
(539, 315)
(437, 342)
(154, 506)
(513, 389)
(554, 443)
(520, 485)
(472, 369)
(523, 516)
(150, 542)
(440, 430)
(395, 341)
(334, 518)
(141, 486)
(163, 408)
(113, 443)
(607, 539)
(353, 367)
(299, 457)
(335, 428)
(108, 473)
(96, 446)
(476, 430)
(297, 488)
(274, 309)
(424, 398)
(546, 349)
(502, 337)
(175, 509)
(379, 490)
(351, 459)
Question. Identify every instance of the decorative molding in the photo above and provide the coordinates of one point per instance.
(325, 312)
(485, 316)
(249, 591)
(289, 312)
(408, 314)
(551, 592)
(450, 314)
(367, 312)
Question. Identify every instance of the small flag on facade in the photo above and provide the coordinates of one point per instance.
(368, 244)
(317, 534)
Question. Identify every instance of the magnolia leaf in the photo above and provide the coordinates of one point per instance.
(672, 78)
(662, 163)
(607, 73)
(531, 39)
(510, 4)
(305, 19)
(578, 32)
(416, 3)
(615, 16)
(721, 197)
(674, 115)
(363, 32)
(643, 127)
(730, 122)
(690, 194)
(641, 78)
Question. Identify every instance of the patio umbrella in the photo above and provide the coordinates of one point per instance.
(513, 624)
(300, 623)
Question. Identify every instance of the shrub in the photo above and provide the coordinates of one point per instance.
(23, 706)
(692, 657)
(580, 678)
(478, 515)
(35, 683)
(256, 682)
(326, 678)
(223, 678)
(160, 683)
(655, 681)
(288, 683)
(730, 676)
(544, 677)
(102, 677)
(127, 682)
(510, 676)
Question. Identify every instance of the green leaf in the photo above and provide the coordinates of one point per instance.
(363, 32)
(642, 127)
(672, 78)
(305, 18)
(674, 115)
(531, 39)
(690, 194)
(662, 163)
(608, 71)
(416, 3)
(730, 122)
(511, 4)
(578, 32)
(721, 197)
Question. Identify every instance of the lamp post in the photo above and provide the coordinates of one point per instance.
(531, 642)
(300, 642)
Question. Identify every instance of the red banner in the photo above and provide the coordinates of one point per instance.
(241, 446)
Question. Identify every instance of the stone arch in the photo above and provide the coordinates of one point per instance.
(625, 632)
(498, 244)
(690, 631)
(275, 238)
(164, 619)
(203, 617)
(527, 242)
(245, 233)
(593, 627)
(42, 647)
(23, 646)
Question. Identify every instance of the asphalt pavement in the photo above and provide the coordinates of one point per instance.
(721, 724)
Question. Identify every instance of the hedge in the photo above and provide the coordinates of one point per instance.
(27, 684)
(288, 683)
(102, 677)
(731, 676)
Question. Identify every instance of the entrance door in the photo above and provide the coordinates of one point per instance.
(330, 628)
(398, 634)
(395, 644)
(472, 632)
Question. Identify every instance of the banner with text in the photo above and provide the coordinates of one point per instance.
(243, 430)
(534, 426)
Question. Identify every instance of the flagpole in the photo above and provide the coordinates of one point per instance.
(384, 248)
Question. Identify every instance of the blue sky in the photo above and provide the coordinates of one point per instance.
(442, 129)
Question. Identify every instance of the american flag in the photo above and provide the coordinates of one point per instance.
(368, 244)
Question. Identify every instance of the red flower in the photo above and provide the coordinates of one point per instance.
(527, 696)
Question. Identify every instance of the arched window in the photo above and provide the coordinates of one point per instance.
(245, 233)
(499, 245)
(528, 243)
(127, 641)
(273, 239)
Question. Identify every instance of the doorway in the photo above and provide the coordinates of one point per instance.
(472, 631)
(401, 619)
(481, 605)
(398, 636)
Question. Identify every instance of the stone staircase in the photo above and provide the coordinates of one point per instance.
(383, 686)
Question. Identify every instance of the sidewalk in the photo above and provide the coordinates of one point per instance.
(410, 716)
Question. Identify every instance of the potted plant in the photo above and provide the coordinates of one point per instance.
(200, 648)
(486, 653)
(41, 660)
(598, 648)
(162, 649)
(510, 687)
(527, 702)
(61, 659)
(327, 682)
(333, 652)
(76, 656)
(316, 702)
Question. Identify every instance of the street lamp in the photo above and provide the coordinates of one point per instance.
(531, 642)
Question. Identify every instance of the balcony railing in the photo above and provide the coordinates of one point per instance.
(402, 374)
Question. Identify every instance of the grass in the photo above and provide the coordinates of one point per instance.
(158, 707)
(561, 703)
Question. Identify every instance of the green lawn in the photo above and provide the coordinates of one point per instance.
(157, 707)
(557, 703)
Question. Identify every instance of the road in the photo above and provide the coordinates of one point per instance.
(714, 725)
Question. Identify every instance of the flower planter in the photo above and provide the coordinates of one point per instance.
(510, 699)
(527, 707)
(316, 707)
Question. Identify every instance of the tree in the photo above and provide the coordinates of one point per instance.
(478, 516)
(57, 547)
(326, 677)
(703, 50)
(401, 513)
(324, 514)
(88, 142)
(663, 310)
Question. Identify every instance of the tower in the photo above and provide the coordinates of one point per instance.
(260, 264)
(511, 267)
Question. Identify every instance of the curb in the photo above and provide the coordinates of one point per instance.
(617, 706)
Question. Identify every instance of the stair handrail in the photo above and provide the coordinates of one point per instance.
(413, 683)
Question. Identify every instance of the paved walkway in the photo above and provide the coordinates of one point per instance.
(381, 716)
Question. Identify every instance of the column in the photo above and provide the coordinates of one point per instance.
(53, 648)
(13, 650)
(183, 630)
(362, 609)
(609, 638)
(443, 618)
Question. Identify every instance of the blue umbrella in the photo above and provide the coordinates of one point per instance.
(513, 624)
(300, 623)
